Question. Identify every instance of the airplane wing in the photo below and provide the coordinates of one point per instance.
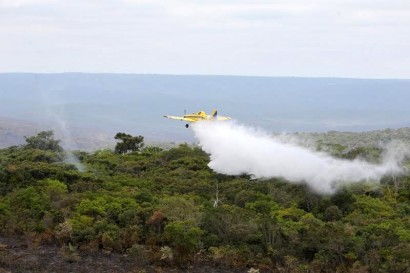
(181, 118)
(223, 118)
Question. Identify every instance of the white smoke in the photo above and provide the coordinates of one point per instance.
(236, 149)
(57, 114)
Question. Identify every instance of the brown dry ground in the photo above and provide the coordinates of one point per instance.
(18, 255)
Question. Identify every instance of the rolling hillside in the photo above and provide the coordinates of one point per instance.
(109, 103)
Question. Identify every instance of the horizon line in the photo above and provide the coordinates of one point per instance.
(205, 75)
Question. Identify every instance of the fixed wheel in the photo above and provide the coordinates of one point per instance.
(186, 125)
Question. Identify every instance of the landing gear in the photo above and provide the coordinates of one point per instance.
(186, 125)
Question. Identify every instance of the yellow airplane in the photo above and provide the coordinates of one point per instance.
(201, 115)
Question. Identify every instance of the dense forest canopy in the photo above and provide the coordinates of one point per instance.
(167, 208)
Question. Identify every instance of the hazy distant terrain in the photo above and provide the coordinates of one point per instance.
(377, 138)
(13, 131)
(87, 106)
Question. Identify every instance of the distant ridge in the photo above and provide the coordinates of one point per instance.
(135, 103)
(201, 75)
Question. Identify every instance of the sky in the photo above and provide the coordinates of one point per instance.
(309, 38)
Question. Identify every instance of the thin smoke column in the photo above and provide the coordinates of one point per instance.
(57, 115)
(236, 149)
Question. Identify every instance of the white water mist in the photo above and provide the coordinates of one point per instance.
(237, 149)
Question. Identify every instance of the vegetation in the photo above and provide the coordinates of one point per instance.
(128, 143)
(167, 208)
(44, 141)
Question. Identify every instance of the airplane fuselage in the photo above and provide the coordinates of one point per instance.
(201, 115)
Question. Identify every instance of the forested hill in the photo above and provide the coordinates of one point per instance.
(144, 209)
(136, 103)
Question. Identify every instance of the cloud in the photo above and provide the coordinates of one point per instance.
(23, 3)
(301, 38)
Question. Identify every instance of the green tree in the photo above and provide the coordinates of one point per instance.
(44, 141)
(178, 208)
(128, 143)
(28, 207)
(184, 237)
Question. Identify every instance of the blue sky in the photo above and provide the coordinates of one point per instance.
(330, 38)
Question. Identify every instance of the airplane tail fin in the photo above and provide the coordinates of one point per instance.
(214, 114)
